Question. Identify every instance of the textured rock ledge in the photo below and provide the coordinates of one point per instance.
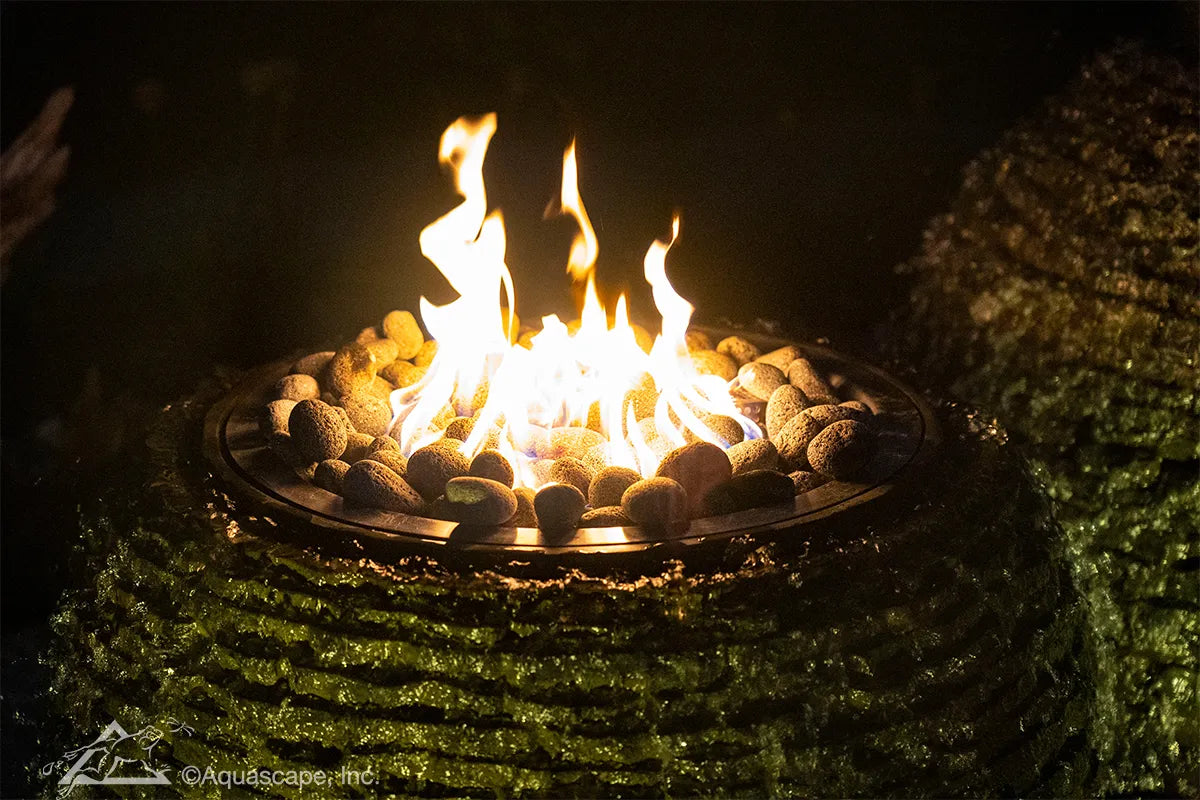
(930, 647)
(1062, 292)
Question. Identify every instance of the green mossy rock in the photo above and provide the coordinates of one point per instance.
(919, 647)
(1062, 292)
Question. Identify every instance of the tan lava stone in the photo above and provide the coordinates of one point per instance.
(710, 362)
(460, 428)
(330, 474)
(317, 432)
(760, 379)
(805, 481)
(358, 447)
(569, 469)
(351, 369)
(393, 460)
(786, 402)
(781, 357)
(402, 328)
(697, 340)
(492, 464)
(558, 507)
(313, 364)
(384, 443)
(297, 387)
(432, 466)
(369, 483)
(804, 377)
(727, 429)
(369, 414)
(604, 517)
(402, 374)
(425, 355)
(525, 516)
(827, 414)
(609, 484)
(742, 351)
(792, 441)
(697, 468)
(655, 502)
(385, 351)
(841, 450)
(752, 455)
(753, 489)
(275, 417)
(479, 501)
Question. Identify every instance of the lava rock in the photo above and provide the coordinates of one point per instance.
(794, 438)
(284, 448)
(727, 429)
(369, 414)
(710, 362)
(330, 475)
(369, 483)
(275, 415)
(358, 447)
(402, 374)
(742, 351)
(317, 432)
(431, 467)
(698, 340)
(604, 517)
(559, 442)
(827, 414)
(842, 449)
(380, 387)
(313, 364)
(749, 490)
(786, 402)
(525, 516)
(755, 454)
(492, 464)
(610, 484)
(460, 428)
(760, 380)
(655, 502)
(859, 406)
(402, 328)
(479, 501)
(297, 387)
(393, 460)
(697, 468)
(782, 357)
(341, 412)
(569, 469)
(350, 370)
(367, 335)
(385, 351)
(384, 444)
(558, 506)
(803, 376)
(425, 355)
(806, 481)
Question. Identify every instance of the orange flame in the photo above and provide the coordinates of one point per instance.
(589, 381)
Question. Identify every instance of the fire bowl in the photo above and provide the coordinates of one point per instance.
(907, 437)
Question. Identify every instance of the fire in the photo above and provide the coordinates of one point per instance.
(591, 391)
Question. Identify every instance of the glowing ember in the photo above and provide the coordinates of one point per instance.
(591, 392)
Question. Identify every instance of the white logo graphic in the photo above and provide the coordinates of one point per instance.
(115, 757)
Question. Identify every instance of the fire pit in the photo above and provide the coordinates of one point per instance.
(792, 581)
(591, 436)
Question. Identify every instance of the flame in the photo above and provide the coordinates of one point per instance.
(592, 386)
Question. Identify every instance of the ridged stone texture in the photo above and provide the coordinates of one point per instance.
(918, 647)
(1062, 292)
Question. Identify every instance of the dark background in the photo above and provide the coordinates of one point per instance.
(250, 179)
